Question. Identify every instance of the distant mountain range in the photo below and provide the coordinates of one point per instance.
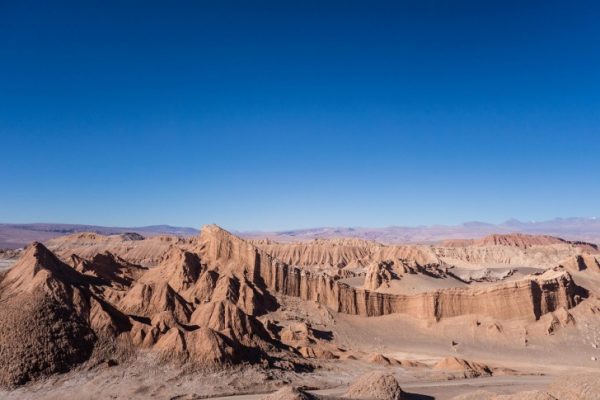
(17, 235)
(585, 229)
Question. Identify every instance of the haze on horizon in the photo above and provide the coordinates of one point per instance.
(270, 115)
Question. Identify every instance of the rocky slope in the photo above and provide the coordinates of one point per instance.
(376, 386)
(45, 318)
(518, 250)
(130, 246)
(205, 302)
(182, 310)
(528, 298)
(517, 240)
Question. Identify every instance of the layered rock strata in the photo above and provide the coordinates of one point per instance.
(528, 298)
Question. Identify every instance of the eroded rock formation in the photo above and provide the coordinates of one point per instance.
(528, 298)
(200, 301)
(376, 386)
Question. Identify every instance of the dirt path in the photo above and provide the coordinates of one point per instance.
(444, 390)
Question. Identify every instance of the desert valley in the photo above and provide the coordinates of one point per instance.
(299, 200)
(506, 316)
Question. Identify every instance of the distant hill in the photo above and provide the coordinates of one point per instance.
(17, 235)
(585, 229)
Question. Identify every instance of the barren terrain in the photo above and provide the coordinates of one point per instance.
(215, 315)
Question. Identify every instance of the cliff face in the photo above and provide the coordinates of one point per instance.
(546, 256)
(528, 298)
(525, 299)
(341, 256)
(583, 262)
(228, 255)
(518, 240)
(518, 250)
(338, 253)
(201, 304)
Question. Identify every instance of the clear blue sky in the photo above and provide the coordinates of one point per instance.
(287, 114)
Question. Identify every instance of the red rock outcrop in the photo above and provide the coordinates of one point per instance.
(467, 369)
(354, 254)
(43, 301)
(181, 310)
(377, 386)
(518, 240)
(201, 302)
(582, 262)
(527, 298)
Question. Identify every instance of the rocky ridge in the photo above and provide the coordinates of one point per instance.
(200, 301)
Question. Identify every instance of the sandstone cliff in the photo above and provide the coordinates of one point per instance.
(527, 298)
(202, 301)
(518, 240)
(518, 250)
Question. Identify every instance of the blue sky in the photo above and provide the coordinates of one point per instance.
(275, 115)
